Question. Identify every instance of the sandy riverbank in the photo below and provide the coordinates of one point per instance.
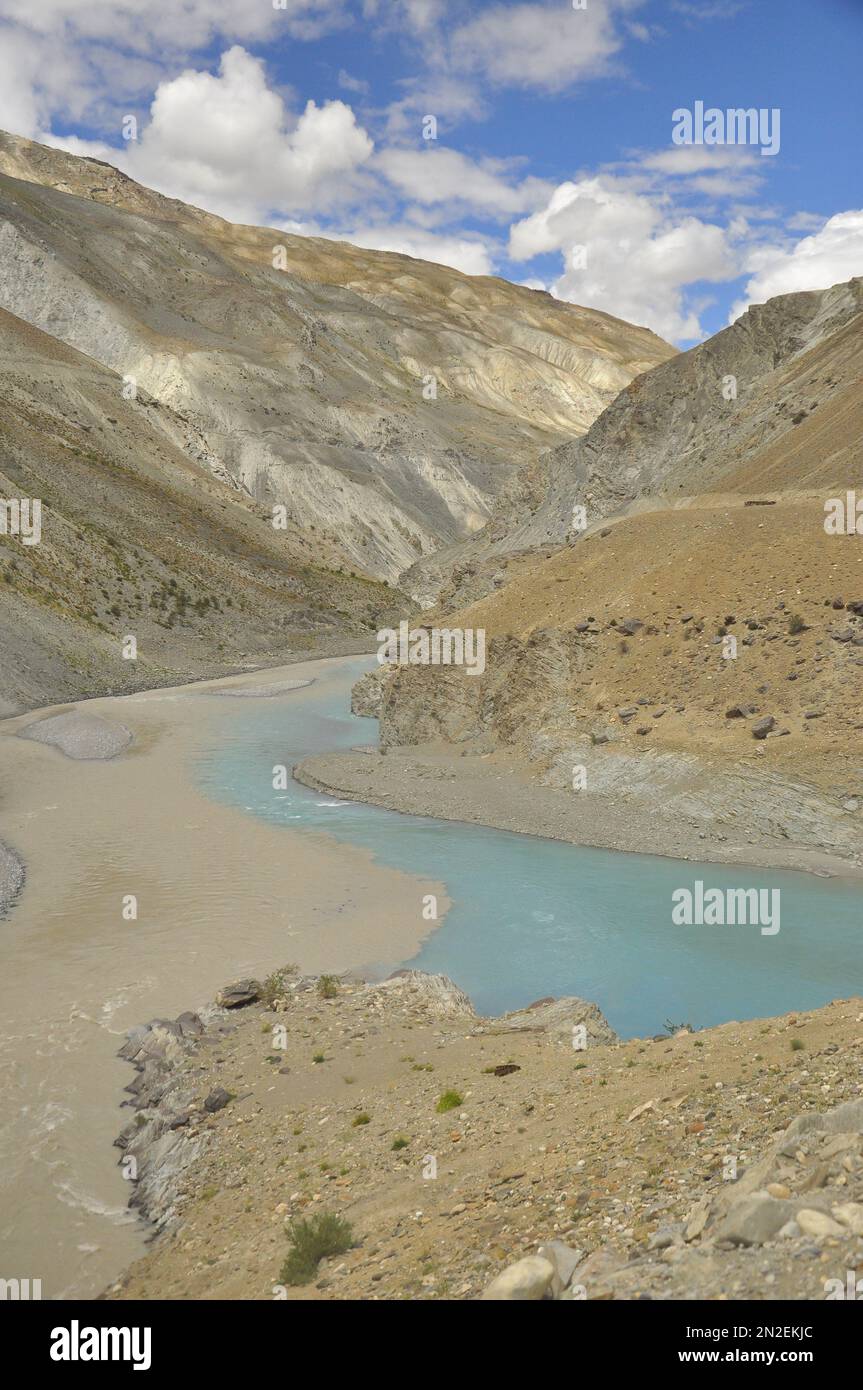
(218, 893)
(505, 794)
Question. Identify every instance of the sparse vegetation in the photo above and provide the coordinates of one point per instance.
(312, 1240)
(274, 985)
(450, 1100)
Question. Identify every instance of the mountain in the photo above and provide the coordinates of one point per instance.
(138, 539)
(706, 596)
(384, 401)
(772, 404)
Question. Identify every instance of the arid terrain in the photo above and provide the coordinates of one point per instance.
(674, 666)
(721, 1164)
(698, 656)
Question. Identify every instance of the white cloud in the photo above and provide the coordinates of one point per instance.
(445, 176)
(683, 160)
(227, 142)
(352, 84)
(702, 11)
(470, 254)
(157, 24)
(627, 252)
(832, 255)
(549, 47)
(77, 59)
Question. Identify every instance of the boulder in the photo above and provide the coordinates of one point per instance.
(761, 728)
(238, 995)
(528, 1280)
(753, 1220)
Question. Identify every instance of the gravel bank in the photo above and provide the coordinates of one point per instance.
(504, 794)
(81, 735)
(11, 877)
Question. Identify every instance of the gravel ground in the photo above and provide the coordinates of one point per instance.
(80, 735)
(722, 1164)
(260, 692)
(11, 877)
(503, 793)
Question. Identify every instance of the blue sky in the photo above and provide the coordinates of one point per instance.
(553, 163)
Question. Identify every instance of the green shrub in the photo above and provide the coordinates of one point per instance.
(450, 1100)
(400, 1143)
(311, 1241)
(328, 986)
(274, 985)
(362, 1119)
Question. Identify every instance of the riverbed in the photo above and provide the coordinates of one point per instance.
(235, 869)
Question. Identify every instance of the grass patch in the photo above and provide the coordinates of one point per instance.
(450, 1100)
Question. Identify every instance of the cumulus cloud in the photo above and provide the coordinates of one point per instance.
(627, 252)
(445, 176)
(67, 58)
(830, 256)
(547, 47)
(471, 254)
(226, 142)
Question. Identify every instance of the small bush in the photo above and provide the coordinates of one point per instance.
(450, 1100)
(313, 1240)
(275, 985)
(362, 1119)
(797, 1045)
(328, 986)
(795, 624)
(400, 1143)
(319, 1057)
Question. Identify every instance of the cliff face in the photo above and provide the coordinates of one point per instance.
(384, 401)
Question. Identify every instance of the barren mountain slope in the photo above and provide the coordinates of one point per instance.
(615, 652)
(138, 539)
(795, 423)
(307, 385)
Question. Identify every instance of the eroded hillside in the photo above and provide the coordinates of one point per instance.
(771, 405)
(138, 539)
(383, 400)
